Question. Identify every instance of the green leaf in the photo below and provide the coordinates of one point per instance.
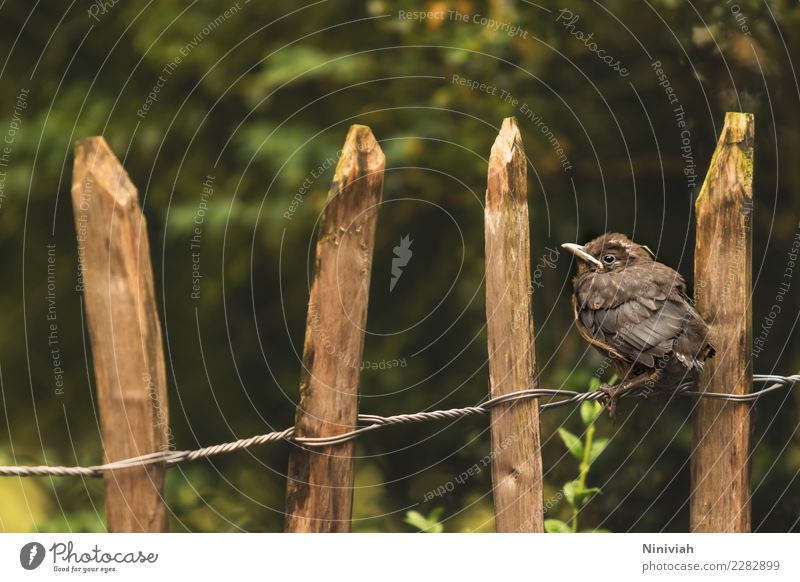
(436, 514)
(590, 411)
(416, 519)
(428, 524)
(597, 449)
(555, 526)
(576, 496)
(573, 443)
(594, 384)
(570, 489)
(587, 412)
(596, 530)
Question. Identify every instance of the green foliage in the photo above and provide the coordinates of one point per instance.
(598, 447)
(576, 492)
(556, 526)
(589, 412)
(573, 443)
(427, 524)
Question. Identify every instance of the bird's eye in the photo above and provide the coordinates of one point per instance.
(608, 259)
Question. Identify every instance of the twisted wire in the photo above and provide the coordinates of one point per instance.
(370, 422)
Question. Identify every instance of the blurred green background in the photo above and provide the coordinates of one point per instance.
(260, 99)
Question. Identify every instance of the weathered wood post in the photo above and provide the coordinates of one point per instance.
(516, 442)
(720, 467)
(319, 491)
(116, 277)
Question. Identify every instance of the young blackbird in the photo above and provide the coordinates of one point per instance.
(635, 310)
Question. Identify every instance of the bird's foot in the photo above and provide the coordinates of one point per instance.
(626, 387)
(612, 396)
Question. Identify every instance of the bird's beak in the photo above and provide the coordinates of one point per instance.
(581, 253)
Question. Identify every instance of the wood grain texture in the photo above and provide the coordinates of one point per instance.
(319, 492)
(125, 334)
(720, 463)
(516, 440)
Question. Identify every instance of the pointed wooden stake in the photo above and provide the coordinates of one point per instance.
(319, 491)
(125, 333)
(516, 441)
(720, 465)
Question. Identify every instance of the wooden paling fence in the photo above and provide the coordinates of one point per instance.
(130, 373)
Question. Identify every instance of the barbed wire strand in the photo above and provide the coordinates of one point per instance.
(372, 422)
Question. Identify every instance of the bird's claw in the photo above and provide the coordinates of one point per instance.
(612, 394)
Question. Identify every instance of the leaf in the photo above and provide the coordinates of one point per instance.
(594, 384)
(576, 496)
(555, 526)
(573, 443)
(570, 489)
(596, 530)
(428, 524)
(436, 514)
(597, 449)
(416, 519)
(587, 412)
(590, 411)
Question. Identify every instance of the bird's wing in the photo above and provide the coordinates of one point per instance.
(640, 329)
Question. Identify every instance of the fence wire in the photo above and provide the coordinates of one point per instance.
(370, 422)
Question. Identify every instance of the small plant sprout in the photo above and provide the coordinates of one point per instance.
(426, 524)
(586, 451)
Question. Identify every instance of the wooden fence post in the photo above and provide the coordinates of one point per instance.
(116, 277)
(516, 442)
(319, 490)
(720, 467)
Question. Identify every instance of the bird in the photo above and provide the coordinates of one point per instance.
(636, 311)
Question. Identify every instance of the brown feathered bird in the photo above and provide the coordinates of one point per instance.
(635, 310)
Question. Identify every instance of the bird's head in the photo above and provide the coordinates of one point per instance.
(610, 252)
